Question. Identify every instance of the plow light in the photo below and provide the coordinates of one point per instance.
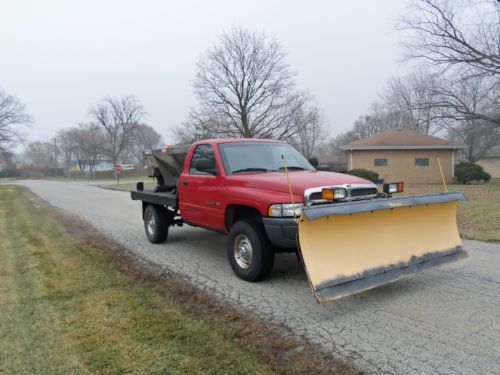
(396, 187)
(333, 193)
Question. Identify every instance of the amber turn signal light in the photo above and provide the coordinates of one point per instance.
(328, 194)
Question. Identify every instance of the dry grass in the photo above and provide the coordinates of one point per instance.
(479, 217)
(73, 301)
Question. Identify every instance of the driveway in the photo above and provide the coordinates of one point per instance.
(445, 320)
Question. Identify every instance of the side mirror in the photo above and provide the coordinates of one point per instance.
(314, 162)
(206, 165)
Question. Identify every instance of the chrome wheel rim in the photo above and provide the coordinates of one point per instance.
(243, 251)
(151, 224)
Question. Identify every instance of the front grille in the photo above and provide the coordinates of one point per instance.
(363, 192)
(354, 192)
(316, 196)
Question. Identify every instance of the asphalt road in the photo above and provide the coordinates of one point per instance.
(445, 320)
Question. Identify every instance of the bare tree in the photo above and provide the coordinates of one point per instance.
(13, 117)
(145, 138)
(80, 156)
(39, 154)
(66, 146)
(245, 89)
(311, 132)
(88, 144)
(452, 34)
(413, 98)
(474, 100)
(198, 126)
(469, 109)
(119, 119)
(480, 137)
(378, 119)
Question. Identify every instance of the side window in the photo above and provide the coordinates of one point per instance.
(423, 162)
(203, 161)
(380, 162)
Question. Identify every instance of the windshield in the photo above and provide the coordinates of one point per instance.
(254, 157)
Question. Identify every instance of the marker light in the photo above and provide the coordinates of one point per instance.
(396, 187)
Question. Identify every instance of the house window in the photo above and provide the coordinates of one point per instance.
(380, 162)
(422, 162)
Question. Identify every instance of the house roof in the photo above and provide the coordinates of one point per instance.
(401, 139)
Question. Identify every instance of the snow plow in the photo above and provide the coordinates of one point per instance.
(351, 247)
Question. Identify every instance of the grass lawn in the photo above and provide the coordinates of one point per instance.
(67, 306)
(479, 217)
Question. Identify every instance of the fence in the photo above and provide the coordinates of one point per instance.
(107, 175)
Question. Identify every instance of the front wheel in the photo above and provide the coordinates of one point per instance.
(249, 253)
(156, 223)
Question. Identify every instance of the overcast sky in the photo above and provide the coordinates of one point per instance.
(61, 57)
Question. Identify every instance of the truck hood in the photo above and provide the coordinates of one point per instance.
(300, 180)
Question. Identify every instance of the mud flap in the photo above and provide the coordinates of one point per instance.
(351, 247)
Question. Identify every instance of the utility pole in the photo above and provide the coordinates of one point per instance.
(55, 154)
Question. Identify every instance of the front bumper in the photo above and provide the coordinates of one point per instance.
(282, 232)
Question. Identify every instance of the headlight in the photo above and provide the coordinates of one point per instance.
(285, 210)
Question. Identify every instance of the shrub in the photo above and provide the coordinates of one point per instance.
(467, 172)
(364, 173)
(10, 172)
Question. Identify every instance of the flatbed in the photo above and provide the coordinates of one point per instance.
(161, 198)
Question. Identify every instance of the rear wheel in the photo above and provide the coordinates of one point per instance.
(156, 223)
(250, 255)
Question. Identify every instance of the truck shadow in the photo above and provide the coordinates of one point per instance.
(212, 244)
(288, 271)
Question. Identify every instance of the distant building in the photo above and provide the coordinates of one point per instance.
(99, 166)
(3, 164)
(403, 155)
(491, 162)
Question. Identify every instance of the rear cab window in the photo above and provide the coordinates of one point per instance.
(203, 152)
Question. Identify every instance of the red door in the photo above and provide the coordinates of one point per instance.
(201, 190)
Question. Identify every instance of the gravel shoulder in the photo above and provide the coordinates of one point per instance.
(445, 320)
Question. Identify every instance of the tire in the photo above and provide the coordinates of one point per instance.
(249, 253)
(156, 223)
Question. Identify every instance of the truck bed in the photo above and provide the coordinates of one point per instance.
(162, 198)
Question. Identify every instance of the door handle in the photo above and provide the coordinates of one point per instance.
(184, 183)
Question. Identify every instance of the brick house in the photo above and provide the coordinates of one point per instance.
(3, 164)
(491, 162)
(403, 155)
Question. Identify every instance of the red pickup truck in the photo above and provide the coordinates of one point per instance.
(268, 198)
(239, 187)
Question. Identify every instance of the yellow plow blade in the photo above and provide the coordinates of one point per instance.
(350, 247)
